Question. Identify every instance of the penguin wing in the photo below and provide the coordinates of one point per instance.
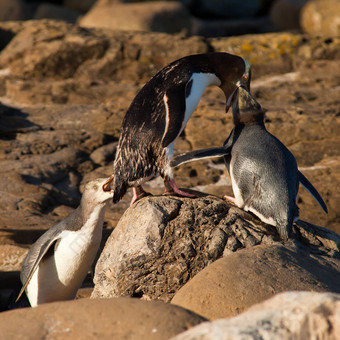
(35, 255)
(174, 101)
(199, 154)
(309, 187)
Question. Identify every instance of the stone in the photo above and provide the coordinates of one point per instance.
(12, 10)
(291, 315)
(321, 17)
(11, 257)
(104, 154)
(235, 282)
(285, 14)
(156, 16)
(121, 318)
(79, 5)
(160, 243)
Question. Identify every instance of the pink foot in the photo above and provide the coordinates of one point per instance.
(171, 187)
(229, 198)
(138, 193)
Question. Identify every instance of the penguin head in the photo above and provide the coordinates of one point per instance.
(94, 191)
(233, 71)
(245, 108)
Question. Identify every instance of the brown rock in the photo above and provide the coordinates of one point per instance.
(285, 14)
(11, 257)
(121, 318)
(292, 315)
(234, 283)
(12, 10)
(51, 11)
(157, 16)
(162, 242)
(321, 17)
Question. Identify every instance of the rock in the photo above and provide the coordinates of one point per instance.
(321, 17)
(285, 14)
(12, 10)
(121, 318)
(292, 315)
(157, 16)
(233, 283)
(162, 242)
(51, 11)
(11, 257)
(105, 154)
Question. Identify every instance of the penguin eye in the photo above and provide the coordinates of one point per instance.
(95, 187)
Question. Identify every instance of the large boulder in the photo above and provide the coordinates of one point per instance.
(233, 283)
(121, 318)
(292, 315)
(158, 16)
(162, 242)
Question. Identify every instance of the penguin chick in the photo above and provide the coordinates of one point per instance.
(57, 263)
(160, 112)
(264, 174)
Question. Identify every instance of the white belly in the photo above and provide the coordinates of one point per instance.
(60, 276)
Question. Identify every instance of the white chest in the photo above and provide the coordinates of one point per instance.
(61, 275)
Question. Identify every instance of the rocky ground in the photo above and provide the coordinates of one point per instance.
(65, 89)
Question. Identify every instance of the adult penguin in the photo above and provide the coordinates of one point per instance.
(263, 172)
(159, 113)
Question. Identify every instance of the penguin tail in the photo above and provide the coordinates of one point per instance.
(310, 188)
(198, 155)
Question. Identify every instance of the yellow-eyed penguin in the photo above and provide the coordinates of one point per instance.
(160, 112)
(264, 174)
(57, 263)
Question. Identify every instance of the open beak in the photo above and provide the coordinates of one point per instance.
(228, 104)
(107, 185)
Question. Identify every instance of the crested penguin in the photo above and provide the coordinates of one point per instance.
(57, 263)
(159, 113)
(264, 173)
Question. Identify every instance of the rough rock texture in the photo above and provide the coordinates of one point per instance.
(162, 242)
(121, 318)
(233, 283)
(321, 17)
(292, 315)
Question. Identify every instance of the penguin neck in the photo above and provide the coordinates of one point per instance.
(247, 118)
(93, 214)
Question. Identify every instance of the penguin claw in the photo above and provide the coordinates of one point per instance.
(138, 193)
(229, 198)
(171, 188)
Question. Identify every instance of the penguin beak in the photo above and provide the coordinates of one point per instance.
(228, 104)
(107, 185)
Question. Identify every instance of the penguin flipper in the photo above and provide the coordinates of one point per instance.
(174, 102)
(34, 262)
(310, 188)
(199, 154)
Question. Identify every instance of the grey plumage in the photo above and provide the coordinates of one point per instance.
(264, 173)
(58, 261)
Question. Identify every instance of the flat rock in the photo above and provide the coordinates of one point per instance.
(162, 242)
(121, 318)
(157, 16)
(233, 283)
(291, 315)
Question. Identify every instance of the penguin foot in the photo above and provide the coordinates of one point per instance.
(172, 188)
(229, 198)
(138, 193)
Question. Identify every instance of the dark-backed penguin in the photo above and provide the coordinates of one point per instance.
(264, 174)
(159, 113)
(59, 260)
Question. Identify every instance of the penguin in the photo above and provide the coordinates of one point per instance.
(57, 263)
(264, 174)
(159, 113)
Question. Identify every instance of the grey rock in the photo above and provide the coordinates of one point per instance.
(291, 315)
(105, 154)
(162, 242)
